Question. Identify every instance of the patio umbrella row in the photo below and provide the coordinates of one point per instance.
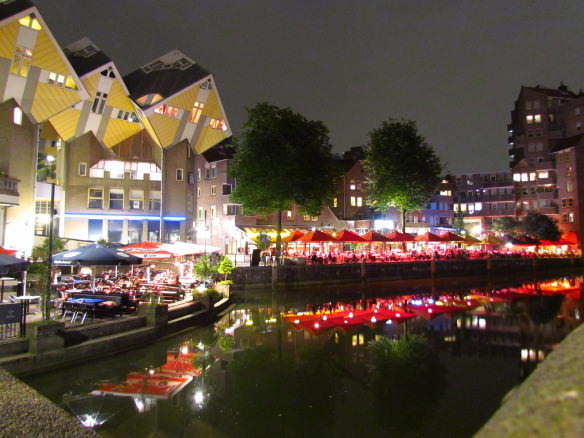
(373, 236)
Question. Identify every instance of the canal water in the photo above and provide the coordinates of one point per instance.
(409, 360)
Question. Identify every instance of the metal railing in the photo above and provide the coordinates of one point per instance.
(12, 320)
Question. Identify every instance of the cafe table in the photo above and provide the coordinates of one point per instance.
(26, 300)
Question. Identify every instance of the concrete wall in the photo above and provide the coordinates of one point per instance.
(307, 274)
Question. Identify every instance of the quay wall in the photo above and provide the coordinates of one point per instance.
(298, 275)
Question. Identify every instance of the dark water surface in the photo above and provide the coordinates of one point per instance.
(265, 371)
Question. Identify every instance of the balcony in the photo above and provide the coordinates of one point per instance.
(9, 195)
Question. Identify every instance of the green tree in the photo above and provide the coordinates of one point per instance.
(203, 269)
(282, 159)
(459, 225)
(506, 225)
(540, 226)
(403, 169)
(225, 267)
(42, 251)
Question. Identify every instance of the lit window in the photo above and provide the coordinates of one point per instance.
(231, 210)
(17, 116)
(524, 177)
(571, 217)
(532, 176)
(445, 193)
(95, 198)
(99, 102)
(136, 199)
(462, 207)
(149, 99)
(167, 110)
(213, 190)
(30, 21)
(537, 118)
(21, 61)
(179, 174)
(569, 187)
(543, 174)
(353, 201)
(196, 112)
(516, 177)
(529, 119)
(82, 169)
(335, 202)
(154, 200)
(217, 124)
(478, 206)
(359, 201)
(352, 187)
(569, 171)
(116, 199)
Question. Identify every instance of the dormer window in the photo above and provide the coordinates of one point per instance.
(218, 124)
(167, 110)
(30, 21)
(196, 112)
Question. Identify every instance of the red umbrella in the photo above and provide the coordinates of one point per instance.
(9, 252)
(293, 236)
(348, 236)
(316, 236)
(374, 236)
(396, 236)
(142, 245)
(449, 236)
(428, 237)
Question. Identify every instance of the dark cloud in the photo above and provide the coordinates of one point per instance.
(454, 67)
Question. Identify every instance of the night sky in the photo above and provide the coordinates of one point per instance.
(454, 67)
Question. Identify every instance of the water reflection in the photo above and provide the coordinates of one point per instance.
(385, 365)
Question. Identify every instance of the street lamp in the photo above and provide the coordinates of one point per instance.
(51, 180)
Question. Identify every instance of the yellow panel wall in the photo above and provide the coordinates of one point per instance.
(165, 127)
(8, 35)
(209, 138)
(47, 57)
(119, 130)
(50, 99)
(118, 98)
(213, 108)
(186, 99)
(48, 132)
(65, 123)
(90, 84)
(149, 129)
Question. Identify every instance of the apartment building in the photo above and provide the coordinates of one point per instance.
(483, 197)
(124, 146)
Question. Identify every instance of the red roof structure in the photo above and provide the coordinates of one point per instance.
(316, 236)
(428, 237)
(374, 236)
(449, 236)
(348, 236)
(396, 236)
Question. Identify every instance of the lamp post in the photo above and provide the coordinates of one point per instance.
(51, 179)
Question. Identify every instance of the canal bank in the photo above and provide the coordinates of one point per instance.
(50, 345)
(305, 275)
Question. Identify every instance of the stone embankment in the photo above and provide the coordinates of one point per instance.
(550, 403)
(298, 275)
(24, 413)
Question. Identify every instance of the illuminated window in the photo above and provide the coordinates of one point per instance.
(359, 201)
(17, 116)
(308, 218)
(543, 174)
(569, 171)
(529, 119)
(149, 99)
(290, 215)
(352, 187)
(217, 124)
(116, 199)
(478, 206)
(136, 199)
(167, 110)
(213, 190)
(537, 118)
(571, 217)
(30, 21)
(21, 61)
(532, 176)
(231, 210)
(569, 187)
(353, 201)
(196, 112)
(524, 177)
(154, 200)
(82, 169)
(95, 198)
(516, 177)
(335, 202)
(179, 174)
(445, 193)
(462, 207)
(99, 103)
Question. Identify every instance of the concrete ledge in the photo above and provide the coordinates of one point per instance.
(9, 347)
(25, 413)
(550, 403)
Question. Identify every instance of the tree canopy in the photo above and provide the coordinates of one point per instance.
(403, 169)
(282, 159)
(540, 226)
(506, 225)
